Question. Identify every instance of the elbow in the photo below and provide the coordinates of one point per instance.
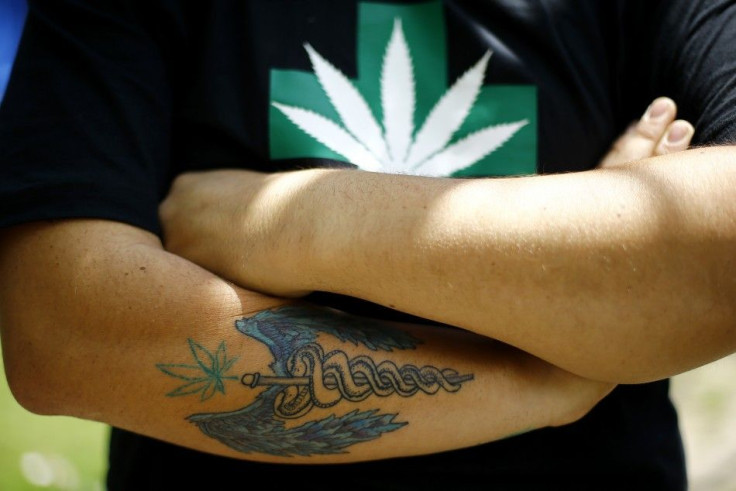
(26, 386)
(25, 394)
(577, 406)
(34, 373)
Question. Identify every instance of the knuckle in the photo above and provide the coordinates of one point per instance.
(649, 130)
(181, 181)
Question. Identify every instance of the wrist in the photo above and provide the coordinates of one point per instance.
(359, 218)
(298, 204)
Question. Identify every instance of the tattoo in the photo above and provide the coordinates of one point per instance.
(207, 375)
(305, 377)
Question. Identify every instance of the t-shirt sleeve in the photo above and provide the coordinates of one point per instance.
(85, 121)
(694, 62)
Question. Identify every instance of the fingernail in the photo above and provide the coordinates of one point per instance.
(658, 109)
(677, 132)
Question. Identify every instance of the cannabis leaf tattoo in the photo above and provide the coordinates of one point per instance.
(207, 376)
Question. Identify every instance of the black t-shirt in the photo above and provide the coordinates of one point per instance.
(109, 100)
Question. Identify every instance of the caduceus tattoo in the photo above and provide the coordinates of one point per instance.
(305, 377)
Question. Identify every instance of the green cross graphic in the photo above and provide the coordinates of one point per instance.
(425, 34)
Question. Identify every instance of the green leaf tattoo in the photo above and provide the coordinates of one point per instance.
(206, 377)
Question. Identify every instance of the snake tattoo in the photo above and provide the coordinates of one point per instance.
(304, 377)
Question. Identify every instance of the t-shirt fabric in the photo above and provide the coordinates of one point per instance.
(110, 100)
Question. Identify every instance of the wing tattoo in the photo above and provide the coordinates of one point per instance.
(304, 376)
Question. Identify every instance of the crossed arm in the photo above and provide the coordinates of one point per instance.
(102, 323)
(99, 322)
(624, 273)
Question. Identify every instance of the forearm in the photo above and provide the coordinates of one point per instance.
(611, 273)
(138, 338)
(624, 274)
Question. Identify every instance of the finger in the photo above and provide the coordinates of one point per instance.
(657, 118)
(677, 138)
(620, 150)
(642, 137)
(647, 133)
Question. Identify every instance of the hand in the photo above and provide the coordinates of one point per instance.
(656, 133)
(241, 225)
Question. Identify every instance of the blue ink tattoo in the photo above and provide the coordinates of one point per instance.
(305, 377)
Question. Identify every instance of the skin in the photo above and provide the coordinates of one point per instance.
(97, 318)
(624, 273)
(92, 309)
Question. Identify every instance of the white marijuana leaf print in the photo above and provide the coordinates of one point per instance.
(396, 146)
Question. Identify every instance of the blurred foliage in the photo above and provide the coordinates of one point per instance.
(706, 401)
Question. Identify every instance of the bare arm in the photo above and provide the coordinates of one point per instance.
(100, 323)
(637, 265)
(623, 273)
